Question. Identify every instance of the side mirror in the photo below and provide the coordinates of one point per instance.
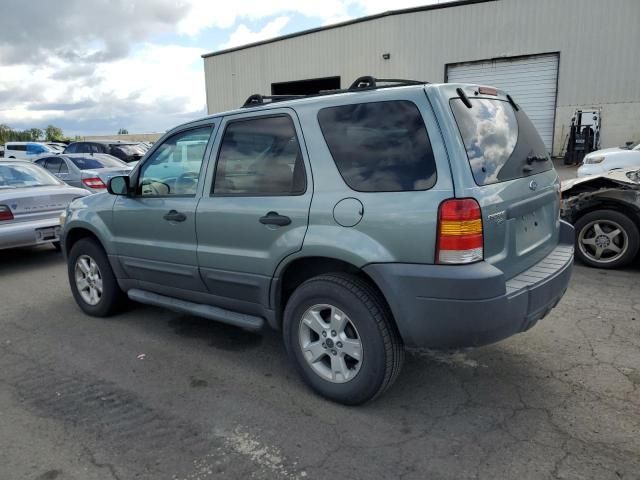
(118, 185)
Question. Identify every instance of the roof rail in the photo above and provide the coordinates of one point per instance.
(372, 82)
(257, 99)
(361, 83)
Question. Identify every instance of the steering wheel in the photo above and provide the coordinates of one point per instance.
(187, 181)
(152, 184)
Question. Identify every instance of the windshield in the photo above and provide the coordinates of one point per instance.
(19, 176)
(636, 148)
(502, 144)
(92, 163)
(130, 149)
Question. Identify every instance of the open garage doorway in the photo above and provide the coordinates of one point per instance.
(305, 87)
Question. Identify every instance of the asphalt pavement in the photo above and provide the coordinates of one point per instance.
(151, 394)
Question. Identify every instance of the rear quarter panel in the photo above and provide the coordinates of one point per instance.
(395, 226)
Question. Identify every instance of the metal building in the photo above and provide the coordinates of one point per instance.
(553, 56)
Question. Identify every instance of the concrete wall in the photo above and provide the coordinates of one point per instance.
(598, 41)
(130, 137)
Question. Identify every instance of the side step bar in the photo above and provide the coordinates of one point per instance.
(248, 322)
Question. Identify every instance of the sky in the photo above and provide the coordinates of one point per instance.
(95, 66)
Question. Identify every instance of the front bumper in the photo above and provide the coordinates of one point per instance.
(23, 234)
(445, 307)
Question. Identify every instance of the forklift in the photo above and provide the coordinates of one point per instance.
(584, 135)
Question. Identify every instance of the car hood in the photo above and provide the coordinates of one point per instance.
(629, 176)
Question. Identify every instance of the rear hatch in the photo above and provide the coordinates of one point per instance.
(512, 178)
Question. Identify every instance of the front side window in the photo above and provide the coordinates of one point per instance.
(260, 157)
(380, 146)
(501, 143)
(174, 168)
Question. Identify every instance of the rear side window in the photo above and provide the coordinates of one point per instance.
(260, 157)
(380, 146)
(501, 144)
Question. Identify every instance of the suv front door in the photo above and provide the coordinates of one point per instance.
(155, 228)
(256, 210)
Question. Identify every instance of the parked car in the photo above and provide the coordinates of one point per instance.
(431, 220)
(602, 161)
(57, 146)
(89, 171)
(127, 152)
(31, 201)
(26, 150)
(605, 210)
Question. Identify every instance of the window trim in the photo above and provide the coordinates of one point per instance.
(232, 121)
(424, 123)
(138, 171)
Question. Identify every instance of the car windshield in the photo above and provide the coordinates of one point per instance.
(636, 148)
(19, 176)
(93, 163)
(130, 149)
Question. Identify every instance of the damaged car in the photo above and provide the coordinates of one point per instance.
(605, 210)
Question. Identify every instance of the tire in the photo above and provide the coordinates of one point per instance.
(594, 236)
(368, 321)
(111, 299)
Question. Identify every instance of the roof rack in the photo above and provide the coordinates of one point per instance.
(257, 99)
(361, 83)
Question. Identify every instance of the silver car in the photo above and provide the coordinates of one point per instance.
(31, 201)
(90, 171)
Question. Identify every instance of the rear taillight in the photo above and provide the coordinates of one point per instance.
(459, 232)
(94, 182)
(5, 213)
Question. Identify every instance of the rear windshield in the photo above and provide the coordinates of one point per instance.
(501, 144)
(20, 176)
(380, 146)
(92, 163)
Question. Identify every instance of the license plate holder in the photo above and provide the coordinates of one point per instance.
(48, 234)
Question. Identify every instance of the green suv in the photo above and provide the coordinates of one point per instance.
(357, 222)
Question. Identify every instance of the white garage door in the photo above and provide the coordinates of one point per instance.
(531, 81)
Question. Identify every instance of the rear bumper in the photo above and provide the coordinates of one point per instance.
(444, 307)
(23, 234)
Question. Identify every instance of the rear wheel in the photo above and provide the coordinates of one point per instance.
(92, 281)
(340, 334)
(606, 239)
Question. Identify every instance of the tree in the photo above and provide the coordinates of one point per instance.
(123, 131)
(36, 134)
(53, 133)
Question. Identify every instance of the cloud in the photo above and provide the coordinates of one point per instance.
(94, 66)
(243, 35)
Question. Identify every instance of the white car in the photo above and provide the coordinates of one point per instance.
(602, 161)
(27, 150)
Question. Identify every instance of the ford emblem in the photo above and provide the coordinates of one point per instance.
(533, 185)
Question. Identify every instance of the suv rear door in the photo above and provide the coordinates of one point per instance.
(508, 170)
(256, 209)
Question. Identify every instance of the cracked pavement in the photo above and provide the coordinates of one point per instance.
(78, 400)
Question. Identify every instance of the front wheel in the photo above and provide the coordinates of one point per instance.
(340, 334)
(93, 284)
(606, 239)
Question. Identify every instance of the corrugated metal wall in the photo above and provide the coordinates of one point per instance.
(598, 41)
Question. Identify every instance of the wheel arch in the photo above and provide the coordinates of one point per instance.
(73, 235)
(298, 270)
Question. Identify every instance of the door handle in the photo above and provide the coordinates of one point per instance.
(273, 218)
(175, 216)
